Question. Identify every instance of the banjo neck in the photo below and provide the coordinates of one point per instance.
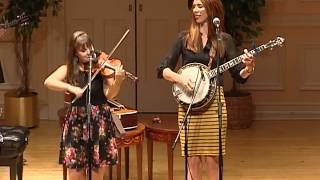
(224, 67)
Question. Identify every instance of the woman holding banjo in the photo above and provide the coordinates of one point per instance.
(199, 45)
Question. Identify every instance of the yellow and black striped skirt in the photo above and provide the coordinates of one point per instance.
(203, 129)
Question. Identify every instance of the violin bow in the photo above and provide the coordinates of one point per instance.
(102, 66)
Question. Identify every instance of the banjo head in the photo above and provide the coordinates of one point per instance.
(198, 74)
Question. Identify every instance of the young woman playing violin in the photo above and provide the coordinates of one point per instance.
(71, 78)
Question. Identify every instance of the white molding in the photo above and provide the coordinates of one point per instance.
(259, 81)
(287, 111)
(310, 1)
(43, 111)
(264, 86)
(287, 115)
(8, 86)
(301, 20)
(311, 85)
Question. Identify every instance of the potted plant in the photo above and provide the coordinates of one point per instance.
(241, 22)
(21, 104)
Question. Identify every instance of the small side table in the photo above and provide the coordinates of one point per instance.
(164, 129)
(132, 137)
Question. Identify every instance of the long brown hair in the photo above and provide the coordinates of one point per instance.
(214, 8)
(78, 40)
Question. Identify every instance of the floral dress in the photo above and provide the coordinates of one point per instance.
(75, 135)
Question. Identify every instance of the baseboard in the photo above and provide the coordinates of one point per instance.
(287, 111)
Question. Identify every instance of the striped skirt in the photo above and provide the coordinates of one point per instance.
(203, 129)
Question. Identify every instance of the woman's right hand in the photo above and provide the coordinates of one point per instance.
(77, 91)
(181, 80)
(185, 82)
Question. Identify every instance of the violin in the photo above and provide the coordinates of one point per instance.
(107, 66)
(105, 62)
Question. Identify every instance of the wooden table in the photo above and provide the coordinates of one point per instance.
(132, 137)
(162, 129)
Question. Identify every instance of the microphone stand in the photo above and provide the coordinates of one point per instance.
(184, 124)
(90, 141)
(105, 65)
(218, 59)
(88, 99)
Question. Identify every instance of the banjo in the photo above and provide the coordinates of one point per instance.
(205, 79)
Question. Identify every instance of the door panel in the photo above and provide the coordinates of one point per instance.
(158, 24)
(106, 21)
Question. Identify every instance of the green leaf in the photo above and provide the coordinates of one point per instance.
(241, 18)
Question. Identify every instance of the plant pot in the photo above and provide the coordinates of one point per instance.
(22, 111)
(240, 110)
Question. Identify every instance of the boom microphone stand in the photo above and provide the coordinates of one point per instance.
(184, 124)
(216, 22)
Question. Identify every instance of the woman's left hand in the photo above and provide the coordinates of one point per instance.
(249, 61)
(119, 73)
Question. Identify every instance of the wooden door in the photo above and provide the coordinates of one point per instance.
(158, 23)
(106, 22)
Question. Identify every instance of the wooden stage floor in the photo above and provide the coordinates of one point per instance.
(269, 150)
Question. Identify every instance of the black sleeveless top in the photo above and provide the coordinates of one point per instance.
(97, 95)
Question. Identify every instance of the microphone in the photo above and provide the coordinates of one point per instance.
(94, 54)
(97, 52)
(216, 22)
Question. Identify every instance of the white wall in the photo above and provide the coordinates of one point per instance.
(285, 84)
